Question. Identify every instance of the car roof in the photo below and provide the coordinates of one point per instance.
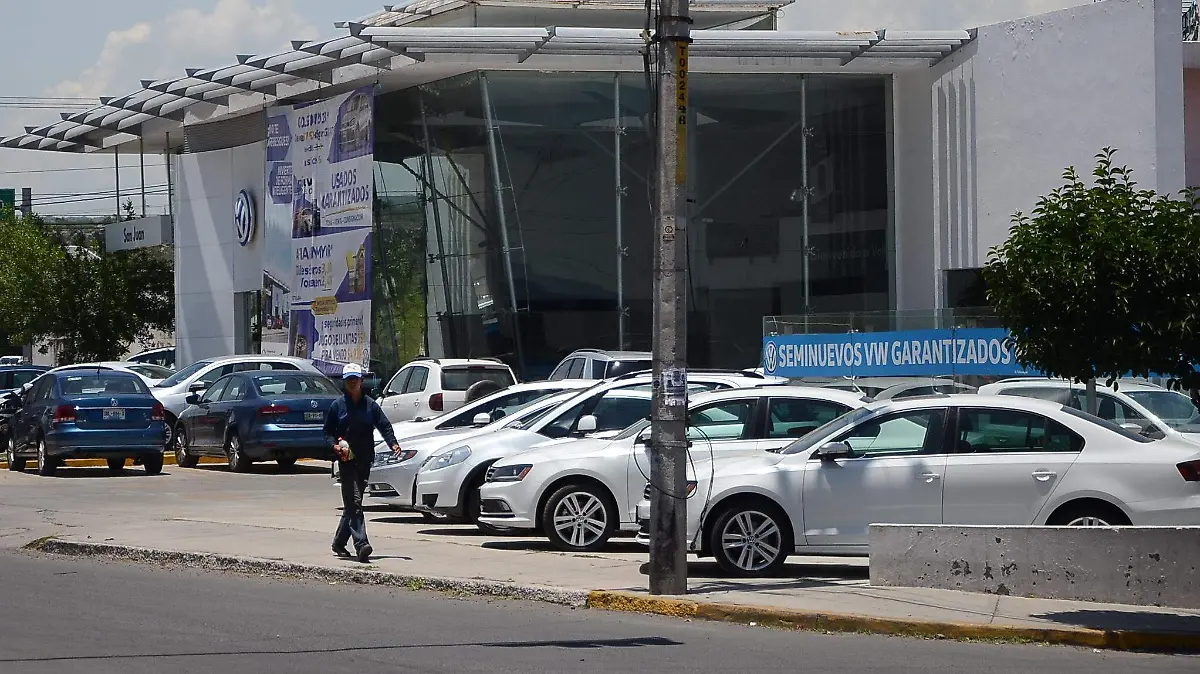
(812, 392)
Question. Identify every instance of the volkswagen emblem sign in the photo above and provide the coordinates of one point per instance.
(243, 217)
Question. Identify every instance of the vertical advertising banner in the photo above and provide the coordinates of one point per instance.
(326, 175)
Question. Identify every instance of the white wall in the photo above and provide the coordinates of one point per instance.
(210, 265)
(1013, 109)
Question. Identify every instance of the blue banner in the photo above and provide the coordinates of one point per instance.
(909, 353)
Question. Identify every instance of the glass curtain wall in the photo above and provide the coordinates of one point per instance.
(519, 206)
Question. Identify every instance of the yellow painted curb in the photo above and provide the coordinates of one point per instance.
(833, 622)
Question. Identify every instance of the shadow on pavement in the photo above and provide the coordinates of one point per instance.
(1125, 620)
(633, 642)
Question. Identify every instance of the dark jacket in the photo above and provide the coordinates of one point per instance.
(355, 423)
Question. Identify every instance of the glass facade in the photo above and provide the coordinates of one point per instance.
(514, 212)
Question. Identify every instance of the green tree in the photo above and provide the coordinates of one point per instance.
(1103, 280)
(66, 288)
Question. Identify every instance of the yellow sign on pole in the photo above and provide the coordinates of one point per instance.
(681, 111)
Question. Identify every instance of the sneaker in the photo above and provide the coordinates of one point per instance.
(364, 553)
(341, 551)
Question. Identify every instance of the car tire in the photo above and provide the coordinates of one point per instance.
(579, 518)
(286, 462)
(46, 465)
(1089, 514)
(15, 464)
(183, 457)
(769, 534)
(116, 465)
(238, 463)
(153, 463)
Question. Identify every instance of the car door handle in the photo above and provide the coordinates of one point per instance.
(1044, 475)
(931, 477)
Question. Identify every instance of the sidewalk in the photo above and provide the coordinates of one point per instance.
(234, 525)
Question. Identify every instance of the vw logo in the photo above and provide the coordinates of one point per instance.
(243, 217)
(314, 404)
(770, 357)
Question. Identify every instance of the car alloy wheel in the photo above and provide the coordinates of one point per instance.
(749, 541)
(1088, 521)
(183, 458)
(580, 520)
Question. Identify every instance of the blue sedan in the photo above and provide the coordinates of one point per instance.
(85, 413)
(257, 415)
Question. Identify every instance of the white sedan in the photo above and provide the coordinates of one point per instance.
(974, 459)
(394, 476)
(579, 494)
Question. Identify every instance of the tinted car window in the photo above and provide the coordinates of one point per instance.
(988, 431)
(899, 434)
(416, 381)
(297, 384)
(616, 368)
(461, 378)
(728, 420)
(101, 383)
(795, 417)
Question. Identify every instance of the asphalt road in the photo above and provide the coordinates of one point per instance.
(66, 615)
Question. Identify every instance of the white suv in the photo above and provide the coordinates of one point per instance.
(581, 493)
(428, 387)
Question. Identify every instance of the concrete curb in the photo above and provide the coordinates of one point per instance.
(832, 622)
(365, 576)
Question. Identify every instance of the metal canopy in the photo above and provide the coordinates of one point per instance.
(382, 42)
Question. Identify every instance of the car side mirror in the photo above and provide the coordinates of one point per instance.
(835, 450)
(197, 387)
(482, 419)
(192, 399)
(587, 424)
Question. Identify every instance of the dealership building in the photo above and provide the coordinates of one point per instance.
(512, 157)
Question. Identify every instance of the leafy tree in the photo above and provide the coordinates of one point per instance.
(66, 288)
(1103, 280)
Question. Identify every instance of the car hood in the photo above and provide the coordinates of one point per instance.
(559, 450)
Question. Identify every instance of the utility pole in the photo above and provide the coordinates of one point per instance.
(668, 420)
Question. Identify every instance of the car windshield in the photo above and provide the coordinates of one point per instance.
(1107, 425)
(102, 383)
(811, 439)
(294, 385)
(616, 368)
(461, 378)
(151, 371)
(183, 374)
(1175, 409)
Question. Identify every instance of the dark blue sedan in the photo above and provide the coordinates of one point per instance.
(257, 415)
(87, 414)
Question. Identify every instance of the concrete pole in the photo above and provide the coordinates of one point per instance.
(668, 420)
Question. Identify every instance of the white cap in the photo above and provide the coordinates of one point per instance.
(352, 370)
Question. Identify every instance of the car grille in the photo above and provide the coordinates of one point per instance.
(490, 472)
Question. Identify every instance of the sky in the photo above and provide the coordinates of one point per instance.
(85, 48)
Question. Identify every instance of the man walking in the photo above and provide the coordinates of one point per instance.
(348, 427)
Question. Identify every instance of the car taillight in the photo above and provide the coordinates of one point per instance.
(435, 402)
(273, 410)
(156, 412)
(1190, 470)
(64, 414)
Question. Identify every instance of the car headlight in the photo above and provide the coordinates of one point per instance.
(514, 473)
(389, 458)
(450, 458)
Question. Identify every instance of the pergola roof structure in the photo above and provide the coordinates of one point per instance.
(385, 41)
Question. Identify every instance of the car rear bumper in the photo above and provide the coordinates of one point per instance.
(77, 443)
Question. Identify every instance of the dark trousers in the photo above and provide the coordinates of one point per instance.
(354, 475)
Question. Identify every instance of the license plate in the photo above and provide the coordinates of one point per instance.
(114, 414)
(314, 416)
